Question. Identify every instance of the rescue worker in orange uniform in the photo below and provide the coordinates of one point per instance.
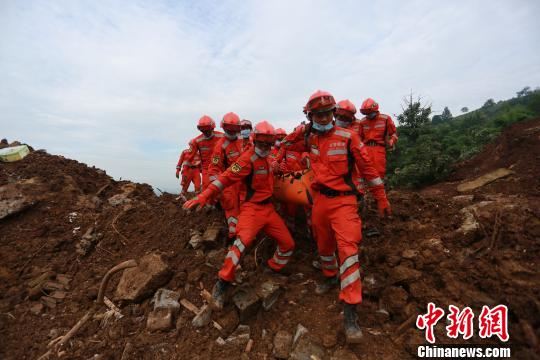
(245, 130)
(334, 152)
(191, 172)
(376, 131)
(204, 146)
(226, 151)
(253, 171)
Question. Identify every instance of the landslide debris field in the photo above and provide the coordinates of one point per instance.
(63, 225)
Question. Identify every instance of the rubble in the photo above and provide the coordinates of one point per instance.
(138, 283)
(247, 302)
(269, 292)
(307, 349)
(282, 344)
(160, 319)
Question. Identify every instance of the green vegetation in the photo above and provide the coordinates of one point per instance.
(426, 151)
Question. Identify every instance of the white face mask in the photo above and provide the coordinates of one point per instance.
(245, 133)
(277, 143)
(342, 124)
(261, 153)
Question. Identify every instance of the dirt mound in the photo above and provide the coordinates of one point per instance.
(77, 222)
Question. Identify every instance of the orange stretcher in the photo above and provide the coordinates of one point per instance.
(294, 188)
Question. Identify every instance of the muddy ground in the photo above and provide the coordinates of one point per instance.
(70, 223)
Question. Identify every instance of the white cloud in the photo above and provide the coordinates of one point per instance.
(120, 85)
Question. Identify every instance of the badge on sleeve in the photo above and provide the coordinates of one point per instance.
(236, 168)
(215, 159)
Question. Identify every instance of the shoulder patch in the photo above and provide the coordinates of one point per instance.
(236, 168)
(215, 159)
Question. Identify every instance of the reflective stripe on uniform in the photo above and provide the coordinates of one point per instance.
(232, 219)
(239, 245)
(212, 177)
(343, 133)
(263, 171)
(225, 144)
(350, 261)
(286, 254)
(234, 153)
(204, 148)
(380, 125)
(315, 151)
(280, 261)
(219, 184)
(234, 258)
(328, 258)
(254, 157)
(375, 182)
(291, 156)
(352, 277)
(337, 152)
(232, 229)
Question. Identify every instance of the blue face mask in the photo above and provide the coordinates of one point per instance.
(372, 115)
(343, 124)
(245, 133)
(261, 153)
(322, 128)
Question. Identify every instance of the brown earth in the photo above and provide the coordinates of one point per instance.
(472, 249)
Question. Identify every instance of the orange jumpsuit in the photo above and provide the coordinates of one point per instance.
(256, 212)
(191, 172)
(335, 219)
(226, 152)
(204, 147)
(374, 133)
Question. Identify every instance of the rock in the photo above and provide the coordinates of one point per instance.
(195, 241)
(282, 344)
(409, 254)
(211, 234)
(484, 179)
(301, 330)
(229, 322)
(166, 299)
(394, 299)
(247, 302)
(58, 295)
(12, 204)
(307, 349)
(36, 308)
(463, 199)
(203, 318)
(343, 354)
(140, 282)
(63, 279)
(220, 341)
(403, 274)
(269, 292)
(330, 339)
(160, 320)
(48, 301)
(119, 199)
(50, 286)
(240, 336)
(393, 260)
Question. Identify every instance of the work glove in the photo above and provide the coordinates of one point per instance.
(392, 143)
(204, 198)
(177, 173)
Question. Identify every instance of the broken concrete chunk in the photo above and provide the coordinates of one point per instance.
(195, 241)
(160, 320)
(203, 318)
(139, 282)
(240, 336)
(282, 344)
(247, 302)
(166, 299)
(211, 234)
(300, 331)
(269, 292)
(307, 349)
(229, 322)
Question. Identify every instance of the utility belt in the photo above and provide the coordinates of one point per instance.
(193, 166)
(373, 143)
(326, 191)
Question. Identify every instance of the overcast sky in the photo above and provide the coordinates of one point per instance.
(121, 84)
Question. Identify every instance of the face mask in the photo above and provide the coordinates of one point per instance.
(208, 135)
(343, 124)
(230, 136)
(322, 128)
(277, 143)
(261, 153)
(372, 115)
(245, 133)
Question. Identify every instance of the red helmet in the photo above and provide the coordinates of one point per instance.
(206, 123)
(264, 132)
(280, 133)
(346, 108)
(246, 124)
(231, 122)
(320, 101)
(368, 106)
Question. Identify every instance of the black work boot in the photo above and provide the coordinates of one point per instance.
(353, 333)
(218, 294)
(326, 285)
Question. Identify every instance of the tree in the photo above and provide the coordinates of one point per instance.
(436, 119)
(488, 103)
(524, 92)
(464, 109)
(446, 114)
(414, 115)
